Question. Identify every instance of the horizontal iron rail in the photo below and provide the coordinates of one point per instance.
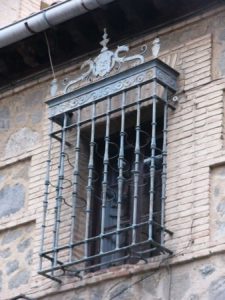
(106, 235)
(90, 258)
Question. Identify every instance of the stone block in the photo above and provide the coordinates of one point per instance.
(16, 251)
(207, 270)
(29, 257)
(5, 253)
(217, 203)
(4, 118)
(11, 266)
(11, 236)
(20, 278)
(21, 141)
(12, 199)
(36, 117)
(181, 284)
(217, 289)
(24, 244)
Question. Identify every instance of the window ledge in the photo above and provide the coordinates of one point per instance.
(153, 265)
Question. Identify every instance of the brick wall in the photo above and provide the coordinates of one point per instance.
(14, 10)
(27, 7)
(195, 192)
(9, 11)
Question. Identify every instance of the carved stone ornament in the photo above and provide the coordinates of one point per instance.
(105, 62)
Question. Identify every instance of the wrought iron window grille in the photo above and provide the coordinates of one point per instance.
(105, 186)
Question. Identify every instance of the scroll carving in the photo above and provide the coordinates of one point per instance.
(105, 62)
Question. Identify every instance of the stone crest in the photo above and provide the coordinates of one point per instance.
(105, 62)
(102, 64)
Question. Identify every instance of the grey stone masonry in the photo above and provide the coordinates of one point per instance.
(12, 199)
(12, 266)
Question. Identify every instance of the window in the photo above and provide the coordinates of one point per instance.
(106, 177)
(133, 197)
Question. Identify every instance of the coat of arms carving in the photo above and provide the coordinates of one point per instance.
(104, 63)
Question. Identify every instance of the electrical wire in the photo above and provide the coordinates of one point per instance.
(49, 55)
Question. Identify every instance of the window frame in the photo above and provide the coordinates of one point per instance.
(61, 110)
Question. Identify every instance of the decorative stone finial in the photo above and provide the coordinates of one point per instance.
(53, 87)
(155, 47)
(105, 41)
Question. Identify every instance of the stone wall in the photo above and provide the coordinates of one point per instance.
(16, 258)
(21, 135)
(198, 280)
(14, 186)
(217, 203)
(20, 122)
(195, 191)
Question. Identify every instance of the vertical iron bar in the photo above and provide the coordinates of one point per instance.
(164, 165)
(59, 190)
(136, 165)
(105, 171)
(76, 175)
(46, 193)
(152, 162)
(90, 178)
(120, 178)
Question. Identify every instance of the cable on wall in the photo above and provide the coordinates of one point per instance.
(54, 82)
